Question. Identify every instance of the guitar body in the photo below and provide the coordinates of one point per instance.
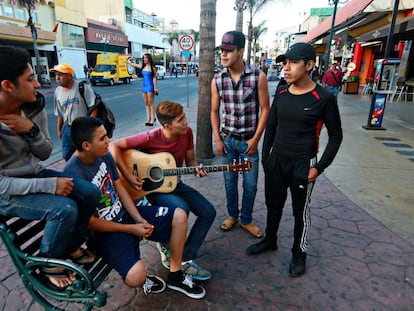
(150, 167)
(160, 174)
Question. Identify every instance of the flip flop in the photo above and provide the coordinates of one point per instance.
(85, 257)
(228, 223)
(253, 230)
(46, 273)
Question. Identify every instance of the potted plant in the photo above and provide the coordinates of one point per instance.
(351, 85)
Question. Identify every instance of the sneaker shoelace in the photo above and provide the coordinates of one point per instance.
(147, 286)
(188, 280)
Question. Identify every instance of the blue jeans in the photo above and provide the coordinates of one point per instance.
(235, 151)
(66, 217)
(333, 89)
(68, 148)
(189, 199)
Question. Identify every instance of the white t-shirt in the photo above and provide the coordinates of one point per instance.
(69, 103)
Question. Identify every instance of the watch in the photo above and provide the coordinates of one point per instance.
(33, 132)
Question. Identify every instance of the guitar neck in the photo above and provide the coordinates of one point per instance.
(193, 169)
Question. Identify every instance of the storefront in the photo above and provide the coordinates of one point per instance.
(104, 38)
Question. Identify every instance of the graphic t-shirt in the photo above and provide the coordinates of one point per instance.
(69, 104)
(102, 174)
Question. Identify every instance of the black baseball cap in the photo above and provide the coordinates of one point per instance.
(232, 40)
(298, 51)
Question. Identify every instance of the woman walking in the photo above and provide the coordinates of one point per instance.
(149, 86)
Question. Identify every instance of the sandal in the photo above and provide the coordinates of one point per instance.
(253, 230)
(228, 223)
(83, 258)
(48, 274)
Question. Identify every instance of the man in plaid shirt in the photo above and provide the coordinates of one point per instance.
(244, 92)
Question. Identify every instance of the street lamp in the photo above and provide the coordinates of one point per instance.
(328, 48)
(162, 20)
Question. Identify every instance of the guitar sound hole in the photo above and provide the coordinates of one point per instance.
(155, 173)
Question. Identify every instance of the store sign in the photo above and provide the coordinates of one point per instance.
(112, 38)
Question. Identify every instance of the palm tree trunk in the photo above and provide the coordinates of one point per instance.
(240, 6)
(35, 47)
(204, 148)
(250, 36)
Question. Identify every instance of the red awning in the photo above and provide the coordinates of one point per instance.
(351, 9)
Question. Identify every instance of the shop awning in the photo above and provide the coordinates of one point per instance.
(23, 34)
(403, 30)
(344, 14)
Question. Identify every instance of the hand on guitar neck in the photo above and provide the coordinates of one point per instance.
(159, 172)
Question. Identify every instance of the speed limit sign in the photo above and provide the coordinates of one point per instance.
(186, 42)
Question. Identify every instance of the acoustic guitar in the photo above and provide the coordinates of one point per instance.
(160, 172)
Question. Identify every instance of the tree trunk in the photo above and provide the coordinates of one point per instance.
(240, 7)
(250, 37)
(35, 47)
(204, 148)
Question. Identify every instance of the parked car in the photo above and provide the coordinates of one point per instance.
(160, 72)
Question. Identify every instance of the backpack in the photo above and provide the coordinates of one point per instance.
(104, 113)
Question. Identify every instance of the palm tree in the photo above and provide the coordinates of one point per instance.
(239, 6)
(254, 6)
(171, 38)
(204, 148)
(257, 32)
(29, 5)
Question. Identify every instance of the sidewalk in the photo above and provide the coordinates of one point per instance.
(361, 245)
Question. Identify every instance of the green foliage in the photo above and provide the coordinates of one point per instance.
(353, 78)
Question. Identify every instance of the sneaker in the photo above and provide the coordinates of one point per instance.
(187, 287)
(165, 255)
(195, 271)
(262, 246)
(297, 266)
(153, 284)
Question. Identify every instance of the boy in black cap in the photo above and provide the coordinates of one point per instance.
(244, 92)
(290, 148)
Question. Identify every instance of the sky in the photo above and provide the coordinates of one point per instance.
(279, 14)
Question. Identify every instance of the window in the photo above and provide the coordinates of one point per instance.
(35, 18)
(1, 10)
(8, 11)
(21, 14)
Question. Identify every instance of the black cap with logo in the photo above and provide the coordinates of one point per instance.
(232, 40)
(298, 51)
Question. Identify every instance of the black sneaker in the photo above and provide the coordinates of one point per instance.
(264, 245)
(187, 287)
(153, 284)
(297, 265)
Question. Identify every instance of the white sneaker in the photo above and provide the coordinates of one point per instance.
(153, 284)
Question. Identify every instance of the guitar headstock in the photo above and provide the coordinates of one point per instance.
(241, 166)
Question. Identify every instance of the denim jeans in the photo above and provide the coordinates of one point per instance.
(235, 151)
(333, 89)
(66, 217)
(68, 148)
(189, 199)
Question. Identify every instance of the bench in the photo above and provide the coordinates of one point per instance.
(22, 240)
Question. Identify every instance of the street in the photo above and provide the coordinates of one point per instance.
(126, 102)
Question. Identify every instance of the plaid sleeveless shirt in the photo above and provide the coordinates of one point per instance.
(241, 104)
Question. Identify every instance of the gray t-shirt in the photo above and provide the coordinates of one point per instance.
(69, 103)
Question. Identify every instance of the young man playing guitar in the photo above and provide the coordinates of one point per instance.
(175, 137)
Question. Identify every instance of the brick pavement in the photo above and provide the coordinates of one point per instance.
(354, 262)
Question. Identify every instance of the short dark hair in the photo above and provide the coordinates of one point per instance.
(13, 63)
(82, 129)
(167, 111)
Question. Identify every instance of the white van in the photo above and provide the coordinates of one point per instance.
(160, 72)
